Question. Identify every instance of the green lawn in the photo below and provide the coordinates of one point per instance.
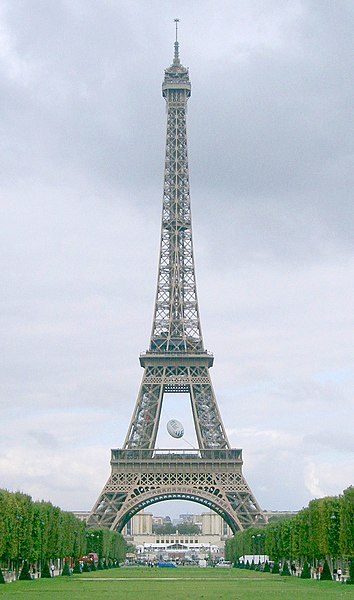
(176, 584)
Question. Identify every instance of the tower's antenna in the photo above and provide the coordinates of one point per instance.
(176, 21)
(176, 56)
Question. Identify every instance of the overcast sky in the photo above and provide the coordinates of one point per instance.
(270, 134)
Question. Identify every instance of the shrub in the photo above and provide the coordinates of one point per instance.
(275, 569)
(2, 580)
(326, 573)
(85, 568)
(45, 572)
(77, 568)
(351, 572)
(252, 567)
(266, 567)
(25, 574)
(306, 571)
(66, 569)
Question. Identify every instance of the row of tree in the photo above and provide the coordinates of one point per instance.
(182, 528)
(109, 545)
(40, 532)
(323, 530)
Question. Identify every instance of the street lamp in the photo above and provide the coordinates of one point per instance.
(333, 542)
(259, 536)
(41, 523)
(19, 519)
(276, 544)
(75, 546)
(253, 538)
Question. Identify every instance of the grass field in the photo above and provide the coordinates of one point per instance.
(176, 584)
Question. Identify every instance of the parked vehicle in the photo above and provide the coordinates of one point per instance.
(223, 564)
(169, 565)
(92, 557)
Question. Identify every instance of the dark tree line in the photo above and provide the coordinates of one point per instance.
(181, 528)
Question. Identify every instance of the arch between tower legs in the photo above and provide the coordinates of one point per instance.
(209, 500)
(138, 481)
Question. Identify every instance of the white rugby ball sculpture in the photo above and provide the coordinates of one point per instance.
(175, 428)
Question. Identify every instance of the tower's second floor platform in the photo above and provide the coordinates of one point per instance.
(205, 358)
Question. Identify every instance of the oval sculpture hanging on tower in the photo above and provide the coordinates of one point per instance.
(175, 428)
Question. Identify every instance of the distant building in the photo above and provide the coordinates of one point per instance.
(210, 540)
(83, 515)
(209, 543)
(275, 515)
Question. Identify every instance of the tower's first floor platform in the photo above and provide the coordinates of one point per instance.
(140, 477)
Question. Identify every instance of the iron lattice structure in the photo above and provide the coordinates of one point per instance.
(176, 362)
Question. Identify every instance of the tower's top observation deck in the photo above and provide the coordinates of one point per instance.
(176, 76)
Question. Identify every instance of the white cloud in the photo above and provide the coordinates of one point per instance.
(312, 481)
(326, 477)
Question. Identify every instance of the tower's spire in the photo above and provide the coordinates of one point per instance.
(176, 56)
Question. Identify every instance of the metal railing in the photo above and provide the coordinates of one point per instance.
(176, 455)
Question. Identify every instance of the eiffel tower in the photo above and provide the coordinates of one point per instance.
(176, 362)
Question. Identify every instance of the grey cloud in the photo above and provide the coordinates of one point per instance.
(46, 440)
(342, 443)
